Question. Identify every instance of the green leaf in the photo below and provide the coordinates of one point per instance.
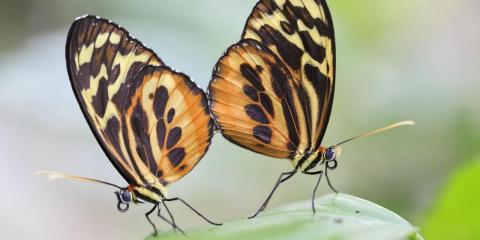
(339, 216)
(456, 215)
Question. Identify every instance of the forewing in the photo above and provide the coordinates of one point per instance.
(300, 33)
(102, 60)
(254, 101)
(167, 125)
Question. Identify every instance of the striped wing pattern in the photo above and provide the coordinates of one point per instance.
(110, 75)
(299, 33)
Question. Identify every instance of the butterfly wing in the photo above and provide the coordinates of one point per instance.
(102, 59)
(153, 123)
(255, 102)
(301, 34)
(167, 124)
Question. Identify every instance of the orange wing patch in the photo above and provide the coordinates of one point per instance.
(254, 101)
(167, 123)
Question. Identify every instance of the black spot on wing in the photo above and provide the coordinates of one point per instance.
(120, 97)
(251, 92)
(287, 28)
(319, 81)
(160, 101)
(133, 69)
(82, 77)
(100, 100)
(256, 113)
(316, 51)
(295, 13)
(113, 74)
(161, 132)
(174, 136)
(111, 133)
(267, 104)
(170, 115)
(289, 52)
(176, 156)
(263, 134)
(252, 76)
(267, 6)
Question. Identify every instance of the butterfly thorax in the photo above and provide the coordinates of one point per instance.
(303, 161)
(153, 193)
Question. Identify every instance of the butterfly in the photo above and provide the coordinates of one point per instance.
(272, 92)
(152, 122)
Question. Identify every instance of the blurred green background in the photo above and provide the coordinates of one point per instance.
(397, 60)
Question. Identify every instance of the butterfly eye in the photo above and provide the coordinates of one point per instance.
(124, 196)
(329, 154)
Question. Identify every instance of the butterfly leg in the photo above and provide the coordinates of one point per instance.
(193, 209)
(155, 232)
(171, 223)
(330, 165)
(320, 174)
(282, 178)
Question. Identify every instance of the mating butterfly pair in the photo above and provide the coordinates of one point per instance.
(271, 93)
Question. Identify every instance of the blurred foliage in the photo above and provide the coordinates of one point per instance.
(466, 135)
(456, 214)
(338, 216)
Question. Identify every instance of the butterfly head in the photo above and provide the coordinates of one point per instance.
(329, 157)
(124, 198)
(329, 154)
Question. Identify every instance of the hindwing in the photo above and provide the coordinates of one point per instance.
(167, 123)
(255, 102)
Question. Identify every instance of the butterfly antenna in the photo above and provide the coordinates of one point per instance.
(395, 125)
(56, 175)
